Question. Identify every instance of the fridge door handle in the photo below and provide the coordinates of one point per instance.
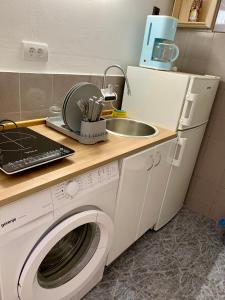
(189, 107)
(179, 152)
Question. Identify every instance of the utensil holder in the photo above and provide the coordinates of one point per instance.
(93, 129)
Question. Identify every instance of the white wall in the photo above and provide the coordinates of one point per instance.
(84, 36)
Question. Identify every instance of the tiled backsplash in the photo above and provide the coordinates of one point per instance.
(26, 96)
(203, 53)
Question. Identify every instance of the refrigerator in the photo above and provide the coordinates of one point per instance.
(178, 101)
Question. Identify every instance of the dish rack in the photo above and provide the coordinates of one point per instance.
(90, 132)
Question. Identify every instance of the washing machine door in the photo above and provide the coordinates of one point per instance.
(67, 257)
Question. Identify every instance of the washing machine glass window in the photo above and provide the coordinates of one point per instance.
(66, 257)
(69, 256)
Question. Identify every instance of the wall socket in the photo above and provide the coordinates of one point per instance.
(34, 51)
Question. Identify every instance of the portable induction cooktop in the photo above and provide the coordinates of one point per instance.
(22, 149)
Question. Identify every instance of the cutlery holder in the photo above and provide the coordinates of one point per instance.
(93, 129)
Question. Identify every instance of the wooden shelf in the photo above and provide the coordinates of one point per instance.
(206, 18)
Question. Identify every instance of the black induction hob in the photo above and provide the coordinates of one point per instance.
(23, 148)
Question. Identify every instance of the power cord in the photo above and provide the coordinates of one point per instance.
(6, 121)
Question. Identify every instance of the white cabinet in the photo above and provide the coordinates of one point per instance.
(142, 184)
(163, 155)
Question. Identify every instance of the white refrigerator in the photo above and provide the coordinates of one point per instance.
(178, 101)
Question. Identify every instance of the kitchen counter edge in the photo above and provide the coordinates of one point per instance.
(86, 157)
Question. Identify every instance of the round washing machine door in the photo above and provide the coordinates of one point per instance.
(67, 257)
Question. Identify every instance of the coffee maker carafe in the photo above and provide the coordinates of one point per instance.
(159, 50)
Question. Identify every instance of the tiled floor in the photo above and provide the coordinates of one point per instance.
(184, 260)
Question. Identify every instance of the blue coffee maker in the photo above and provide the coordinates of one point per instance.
(159, 50)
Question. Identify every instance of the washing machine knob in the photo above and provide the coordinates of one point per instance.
(72, 188)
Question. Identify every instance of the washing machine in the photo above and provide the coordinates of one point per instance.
(54, 243)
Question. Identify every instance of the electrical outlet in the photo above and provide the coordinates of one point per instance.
(34, 51)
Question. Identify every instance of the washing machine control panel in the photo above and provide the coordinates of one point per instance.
(84, 183)
(72, 188)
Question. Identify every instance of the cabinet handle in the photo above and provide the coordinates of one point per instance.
(179, 152)
(158, 158)
(152, 164)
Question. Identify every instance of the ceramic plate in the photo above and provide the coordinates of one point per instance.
(72, 113)
(69, 93)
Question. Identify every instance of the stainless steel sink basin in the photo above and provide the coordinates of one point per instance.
(130, 128)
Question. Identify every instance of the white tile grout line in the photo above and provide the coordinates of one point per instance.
(20, 104)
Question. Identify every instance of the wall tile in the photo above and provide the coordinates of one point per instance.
(218, 46)
(200, 160)
(218, 108)
(215, 67)
(199, 45)
(213, 163)
(181, 40)
(218, 206)
(97, 80)
(202, 196)
(9, 92)
(36, 114)
(62, 83)
(36, 91)
(28, 95)
(10, 116)
(193, 65)
(216, 59)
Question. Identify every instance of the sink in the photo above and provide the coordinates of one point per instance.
(130, 128)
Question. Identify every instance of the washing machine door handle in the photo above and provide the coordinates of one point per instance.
(28, 285)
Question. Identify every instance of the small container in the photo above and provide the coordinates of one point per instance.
(93, 129)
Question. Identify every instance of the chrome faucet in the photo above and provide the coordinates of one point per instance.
(108, 91)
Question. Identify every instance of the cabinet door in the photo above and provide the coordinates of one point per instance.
(159, 174)
(131, 193)
(180, 175)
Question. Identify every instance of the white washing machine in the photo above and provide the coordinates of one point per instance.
(54, 244)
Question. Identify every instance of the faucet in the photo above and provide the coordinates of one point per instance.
(108, 91)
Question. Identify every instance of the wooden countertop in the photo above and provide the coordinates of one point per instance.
(87, 157)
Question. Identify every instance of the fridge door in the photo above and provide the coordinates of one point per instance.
(157, 97)
(198, 101)
(189, 142)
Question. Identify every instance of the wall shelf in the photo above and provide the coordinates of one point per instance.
(206, 18)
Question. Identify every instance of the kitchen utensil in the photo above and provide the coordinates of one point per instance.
(82, 106)
(95, 111)
(90, 108)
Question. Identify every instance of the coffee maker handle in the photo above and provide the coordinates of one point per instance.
(176, 51)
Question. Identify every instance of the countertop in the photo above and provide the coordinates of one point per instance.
(14, 187)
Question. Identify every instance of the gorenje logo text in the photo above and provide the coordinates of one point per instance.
(8, 222)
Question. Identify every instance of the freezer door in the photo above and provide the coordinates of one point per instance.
(198, 102)
(157, 97)
(183, 164)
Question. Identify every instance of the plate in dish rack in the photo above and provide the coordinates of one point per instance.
(74, 87)
(72, 115)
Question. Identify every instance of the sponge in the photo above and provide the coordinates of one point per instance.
(119, 113)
